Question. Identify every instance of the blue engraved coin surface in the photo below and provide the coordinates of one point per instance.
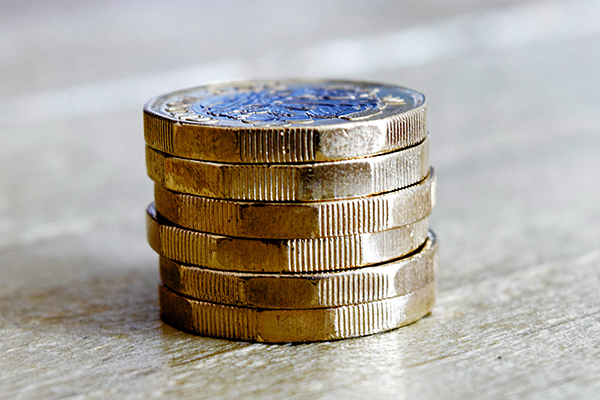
(288, 103)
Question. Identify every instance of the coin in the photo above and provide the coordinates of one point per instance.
(295, 291)
(285, 121)
(303, 325)
(291, 182)
(288, 220)
(281, 255)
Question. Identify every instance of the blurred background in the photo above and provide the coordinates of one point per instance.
(514, 96)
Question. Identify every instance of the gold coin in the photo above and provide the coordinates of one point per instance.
(304, 325)
(291, 182)
(297, 291)
(282, 255)
(285, 121)
(287, 220)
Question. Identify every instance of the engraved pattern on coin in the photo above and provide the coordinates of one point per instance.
(296, 104)
(285, 121)
(271, 104)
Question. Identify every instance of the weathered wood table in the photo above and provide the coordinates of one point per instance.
(514, 100)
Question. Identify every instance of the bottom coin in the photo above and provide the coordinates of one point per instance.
(302, 325)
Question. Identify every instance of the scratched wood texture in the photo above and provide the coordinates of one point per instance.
(514, 94)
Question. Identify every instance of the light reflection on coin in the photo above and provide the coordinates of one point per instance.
(299, 325)
(298, 220)
(282, 255)
(285, 121)
(315, 290)
(291, 182)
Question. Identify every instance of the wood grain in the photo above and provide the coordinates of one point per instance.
(515, 142)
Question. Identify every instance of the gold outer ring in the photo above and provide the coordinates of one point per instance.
(307, 325)
(171, 127)
(317, 290)
(281, 255)
(299, 220)
(291, 182)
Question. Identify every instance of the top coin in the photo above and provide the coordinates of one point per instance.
(285, 121)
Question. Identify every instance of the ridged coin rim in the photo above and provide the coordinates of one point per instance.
(171, 127)
(281, 255)
(291, 182)
(297, 291)
(306, 325)
(289, 220)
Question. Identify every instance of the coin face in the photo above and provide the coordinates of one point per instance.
(285, 121)
(285, 103)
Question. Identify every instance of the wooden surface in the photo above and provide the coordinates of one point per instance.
(513, 89)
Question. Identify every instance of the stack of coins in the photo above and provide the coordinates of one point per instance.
(291, 211)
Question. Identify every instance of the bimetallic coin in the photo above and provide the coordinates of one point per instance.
(291, 182)
(287, 220)
(304, 325)
(285, 121)
(296, 291)
(282, 255)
